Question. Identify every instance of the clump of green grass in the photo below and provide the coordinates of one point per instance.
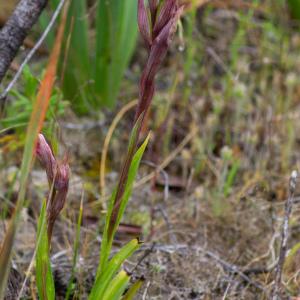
(93, 68)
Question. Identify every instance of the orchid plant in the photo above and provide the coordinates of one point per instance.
(157, 23)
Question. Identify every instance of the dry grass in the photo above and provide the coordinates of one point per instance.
(213, 238)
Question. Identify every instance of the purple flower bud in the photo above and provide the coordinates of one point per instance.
(157, 34)
(166, 14)
(144, 23)
(62, 175)
(153, 6)
(59, 194)
(58, 178)
(45, 156)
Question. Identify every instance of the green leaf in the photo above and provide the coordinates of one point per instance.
(44, 278)
(117, 287)
(294, 6)
(291, 256)
(108, 234)
(231, 177)
(76, 65)
(76, 250)
(93, 72)
(116, 32)
(31, 83)
(103, 280)
(133, 290)
(44, 20)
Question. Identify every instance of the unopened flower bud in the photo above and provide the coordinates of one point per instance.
(60, 190)
(58, 178)
(46, 157)
(157, 23)
(144, 23)
(153, 4)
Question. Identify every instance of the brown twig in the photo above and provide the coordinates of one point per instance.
(16, 29)
(284, 235)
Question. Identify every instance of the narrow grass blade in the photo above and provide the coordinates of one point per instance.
(129, 184)
(130, 294)
(44, 278)
(116, 210)
(291, 256)
(230, 178)
(94, 81)
(44, 21)
(294, 6)
(76, 249)
(76, 84)
(190, 52)
(103, 280)
(75, 66)
(116, 33)
(35, 124)
(117, 287)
